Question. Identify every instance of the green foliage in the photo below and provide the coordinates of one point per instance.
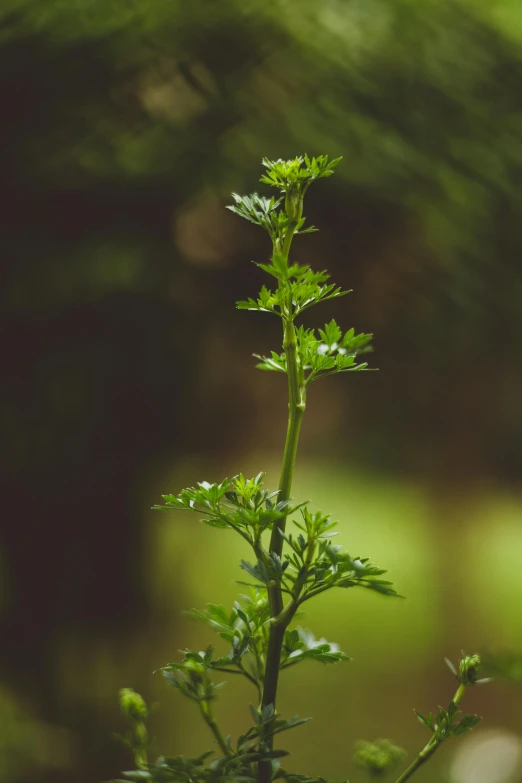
(135, 711)
(191, 677)
(300, 645)
(332, 353)
(133, 705)
(261, 211)
(377, 757)
(294, 565)
(467, 671)
(293, 178)
(303, 292)
(301, 171)
(313, 564)
(245, 629)
(198, 770)
(240, 504)
(446, 723)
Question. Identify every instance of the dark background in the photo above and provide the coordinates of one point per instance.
(127, 371)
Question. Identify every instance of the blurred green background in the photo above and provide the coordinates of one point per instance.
(127, 371)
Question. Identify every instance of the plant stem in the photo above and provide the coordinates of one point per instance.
(211, 723)
(419, 761)
(431, 746)
(142, 741)
(296, 409)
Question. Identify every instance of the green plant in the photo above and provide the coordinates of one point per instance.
(282, 578)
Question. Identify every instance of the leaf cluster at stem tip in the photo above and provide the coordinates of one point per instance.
(298, 286)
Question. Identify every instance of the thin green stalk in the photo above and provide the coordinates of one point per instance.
(296, 408)
(142, 741)
(250, 677)
(431, 746)
(211, 723)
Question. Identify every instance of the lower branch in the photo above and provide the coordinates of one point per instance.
(421, 759)
(432, 745)
(211, 723)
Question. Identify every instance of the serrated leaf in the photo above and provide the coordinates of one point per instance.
(331, 334)
(451, 667)
(466, 724)
(424, 720)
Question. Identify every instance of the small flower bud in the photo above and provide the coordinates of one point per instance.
(468, 669)
(293, 202)
(195, 668)
(133, 705)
